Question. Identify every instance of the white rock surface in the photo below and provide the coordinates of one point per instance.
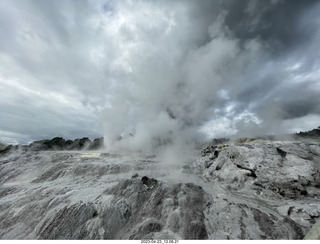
(255, 190)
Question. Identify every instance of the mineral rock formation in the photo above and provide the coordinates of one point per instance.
(252, 190)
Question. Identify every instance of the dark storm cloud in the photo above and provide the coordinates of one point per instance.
(282, 82)
(276, 23)
(300, 101)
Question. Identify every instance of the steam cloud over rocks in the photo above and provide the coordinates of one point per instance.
(152, 81)
(182, 76)
(157, 72)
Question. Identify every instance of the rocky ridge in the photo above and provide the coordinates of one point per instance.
(57, 143)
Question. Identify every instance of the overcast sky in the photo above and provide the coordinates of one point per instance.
(217, 67)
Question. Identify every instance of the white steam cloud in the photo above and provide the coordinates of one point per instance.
(168, 84)
(157, 72)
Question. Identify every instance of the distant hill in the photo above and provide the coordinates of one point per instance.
(57, 143)
(315, 133)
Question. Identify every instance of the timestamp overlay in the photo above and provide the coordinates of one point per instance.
(173, 241)
(160, 241)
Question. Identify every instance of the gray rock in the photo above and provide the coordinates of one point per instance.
(314, 233)
(268, 177)
(251, 190)
(68, 223)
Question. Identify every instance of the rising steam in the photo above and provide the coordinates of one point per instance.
(170, 85)
(173, 79)
(159, 72)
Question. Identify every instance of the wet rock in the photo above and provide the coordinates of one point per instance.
(146, 230)
(178, 208)
(196, 230)
(273, 227)
(149, 182)
(281, 152)
(6, 149)
(134, 176)
(52, 174)
(209, 149)
(68, 223)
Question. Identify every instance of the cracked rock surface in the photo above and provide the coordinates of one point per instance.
(269, 190)
(252, 190)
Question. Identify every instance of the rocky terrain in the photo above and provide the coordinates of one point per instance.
(245, 189)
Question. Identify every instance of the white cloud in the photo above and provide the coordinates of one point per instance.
(304, 123)
(220, 127)
(64, 65)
